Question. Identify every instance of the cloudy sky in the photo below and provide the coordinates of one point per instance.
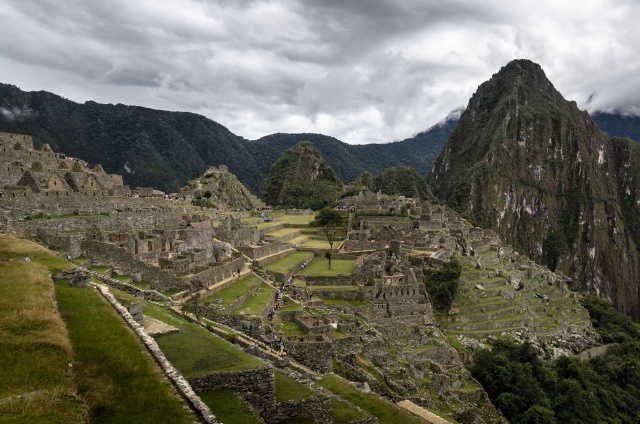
(362, 71)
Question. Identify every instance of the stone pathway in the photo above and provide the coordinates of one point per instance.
(421, 412)
(153, 326)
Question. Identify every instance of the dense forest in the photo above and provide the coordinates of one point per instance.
(603, 389)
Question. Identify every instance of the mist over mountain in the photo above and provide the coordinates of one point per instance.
(164, 150)
(531, 165)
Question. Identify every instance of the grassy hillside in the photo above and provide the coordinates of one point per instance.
(103, 384)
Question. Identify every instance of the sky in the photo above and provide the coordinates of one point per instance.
(368, 71)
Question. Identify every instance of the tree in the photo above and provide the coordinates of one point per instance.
(331, 221)
(442, 284)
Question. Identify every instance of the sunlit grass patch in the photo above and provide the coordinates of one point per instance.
(319, 267)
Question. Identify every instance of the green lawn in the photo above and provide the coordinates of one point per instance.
(195, 351)
(296, 219)
(287, 263)
(35, 346)
(297, 240)
(336, 288)
(234, 291)
(123, 278)
(120, 384)
(317, 243)
(229, 408)
(100, 269)
(288, 388)
(266, 225)
(319, 267)
(387, 412)
(345, 414)
(142, 285)
(290, 328)
(282, 232)
(256, 303)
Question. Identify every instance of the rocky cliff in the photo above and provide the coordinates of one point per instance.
(529, 164)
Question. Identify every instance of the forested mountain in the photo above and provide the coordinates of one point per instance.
(529, 164)
(301, 178)
(165, 150)
(618, 125)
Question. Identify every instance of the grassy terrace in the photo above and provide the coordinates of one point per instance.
(258, 302)
(283, 232)
(319, 267)
(336, 288)
(387, 412)
(35, 346)
(195, 351)
(296, 219)
(289, 389)
(318, 243)
(297, 239)
(113, 385)
(229, 407)
(234, 291)
(266, 225)
(287, 263)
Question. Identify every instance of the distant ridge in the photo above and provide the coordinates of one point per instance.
(164, 150)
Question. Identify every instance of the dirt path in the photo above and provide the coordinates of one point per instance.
(421, 412)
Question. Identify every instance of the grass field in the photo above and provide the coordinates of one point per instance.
(317, 243)
(282, 232)
(195, 351)
(319, 267)
(296, 219)
(256, 303)
(386, 412)
(120, 385)
(229, 408)
(289, 389)
(234, 291)
(287, 263)
(107, 385)
(35, 347)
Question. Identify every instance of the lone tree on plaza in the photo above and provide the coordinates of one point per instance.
(331, 221)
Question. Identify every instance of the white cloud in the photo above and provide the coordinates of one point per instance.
(362, 72)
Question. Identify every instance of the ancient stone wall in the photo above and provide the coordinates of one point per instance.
(111, 255)
(310, 350)
(250, 325)
(257, 386)
(318, 407)
(256, 252)
(339, 280)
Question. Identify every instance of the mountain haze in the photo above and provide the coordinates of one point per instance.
(529, 164)
(164, 150)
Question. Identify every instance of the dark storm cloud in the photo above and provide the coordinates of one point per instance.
(363, 72)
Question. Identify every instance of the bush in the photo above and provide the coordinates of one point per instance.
(442, 284)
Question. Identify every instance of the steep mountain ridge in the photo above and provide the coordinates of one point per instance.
(529, 164)
(164, 150)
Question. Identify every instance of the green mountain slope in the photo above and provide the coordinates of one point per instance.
(165, 150)
(529, 164)
(301, 178)
(618, 125)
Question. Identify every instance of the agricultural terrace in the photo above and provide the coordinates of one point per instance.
(67, 361)
(319, 267)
